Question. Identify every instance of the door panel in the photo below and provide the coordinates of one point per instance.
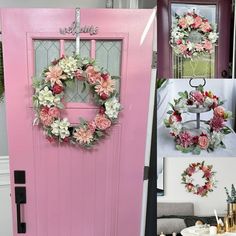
(71, 191)
(210, 66)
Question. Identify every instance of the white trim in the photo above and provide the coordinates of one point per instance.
(4, 171)
(149, 135)
(234, 44)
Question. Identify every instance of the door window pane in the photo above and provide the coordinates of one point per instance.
(202, 66)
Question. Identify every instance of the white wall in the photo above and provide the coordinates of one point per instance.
(5, 199)
(175, 191)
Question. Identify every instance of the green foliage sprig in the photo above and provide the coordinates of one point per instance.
(231, 198)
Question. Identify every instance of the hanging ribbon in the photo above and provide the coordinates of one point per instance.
(77, 19)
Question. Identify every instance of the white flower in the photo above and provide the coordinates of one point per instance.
(216, 139)
(189, 20)
(190, 46)
(60, 128)
(112, 108)
(208, 102)
(213, 37)
(176, 128)
(46, 97)
(68, 65)
(181, 106)
(176, 34)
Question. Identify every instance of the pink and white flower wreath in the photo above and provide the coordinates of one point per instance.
(183, 26)
(49, 94)
(208, 176)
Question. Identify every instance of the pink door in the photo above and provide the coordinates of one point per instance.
(69, 191)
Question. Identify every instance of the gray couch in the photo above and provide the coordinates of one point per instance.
(170, 225)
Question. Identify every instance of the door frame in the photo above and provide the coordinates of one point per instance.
(165, 61)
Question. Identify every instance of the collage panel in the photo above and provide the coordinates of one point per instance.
(196, 156)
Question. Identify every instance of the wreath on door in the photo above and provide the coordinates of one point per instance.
(49, 94)
(208, 176)
(192, 35)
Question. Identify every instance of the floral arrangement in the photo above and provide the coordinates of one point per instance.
(208, 176)
(209, 139)
(231, 198)
(49, 94)
(192, 35)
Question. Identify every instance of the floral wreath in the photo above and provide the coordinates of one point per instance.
(208, 176)
(209, 139)
(49, 94)
(191, 25)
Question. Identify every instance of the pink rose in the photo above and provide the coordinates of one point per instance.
(183, 22)
(57, 89)
(203, 142)
(190, 170)
(44, 116)
(205, 27)
(219, 111)
(204, 168)
(201, 191)
(197, 22)
(102, 122)
(208, 45)
(183, 48)
(189, 186)
(54, 112)
(93, 76)
(178, 41)
(207, 174)
(175, 118)
(208, 185)
(79, 75)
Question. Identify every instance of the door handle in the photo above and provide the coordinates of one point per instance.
(20, 198)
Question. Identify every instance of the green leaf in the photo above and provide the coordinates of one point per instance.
(197, 150)
(169, 112)
(84, 87)
(115, 77)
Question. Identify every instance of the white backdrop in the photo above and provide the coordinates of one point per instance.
(224, 88)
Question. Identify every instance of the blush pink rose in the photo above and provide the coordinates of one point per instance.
(208, 45)
(93, 76)
(44, 116)
(203, 142)
(219, 111)
(54, 112)
(199, 47)
(205, 27)
(183, 48)
(183, 22)
(102, 122)
(79, 75)
(197, 22)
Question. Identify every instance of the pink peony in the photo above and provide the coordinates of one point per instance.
(185, 139)
(102, 122)
(183, 22)
(93, 76)
(197, 22)
(54, 112)
(217, 123)
(208, 45)
(198, 97)
(206, 27)
(44, 116)
(219, 111)
(203, 142)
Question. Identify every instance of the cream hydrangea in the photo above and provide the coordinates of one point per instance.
(68, 65)
(216, 139)
(176, 128)
(60, 128)
(46, 97)
(112, 108)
